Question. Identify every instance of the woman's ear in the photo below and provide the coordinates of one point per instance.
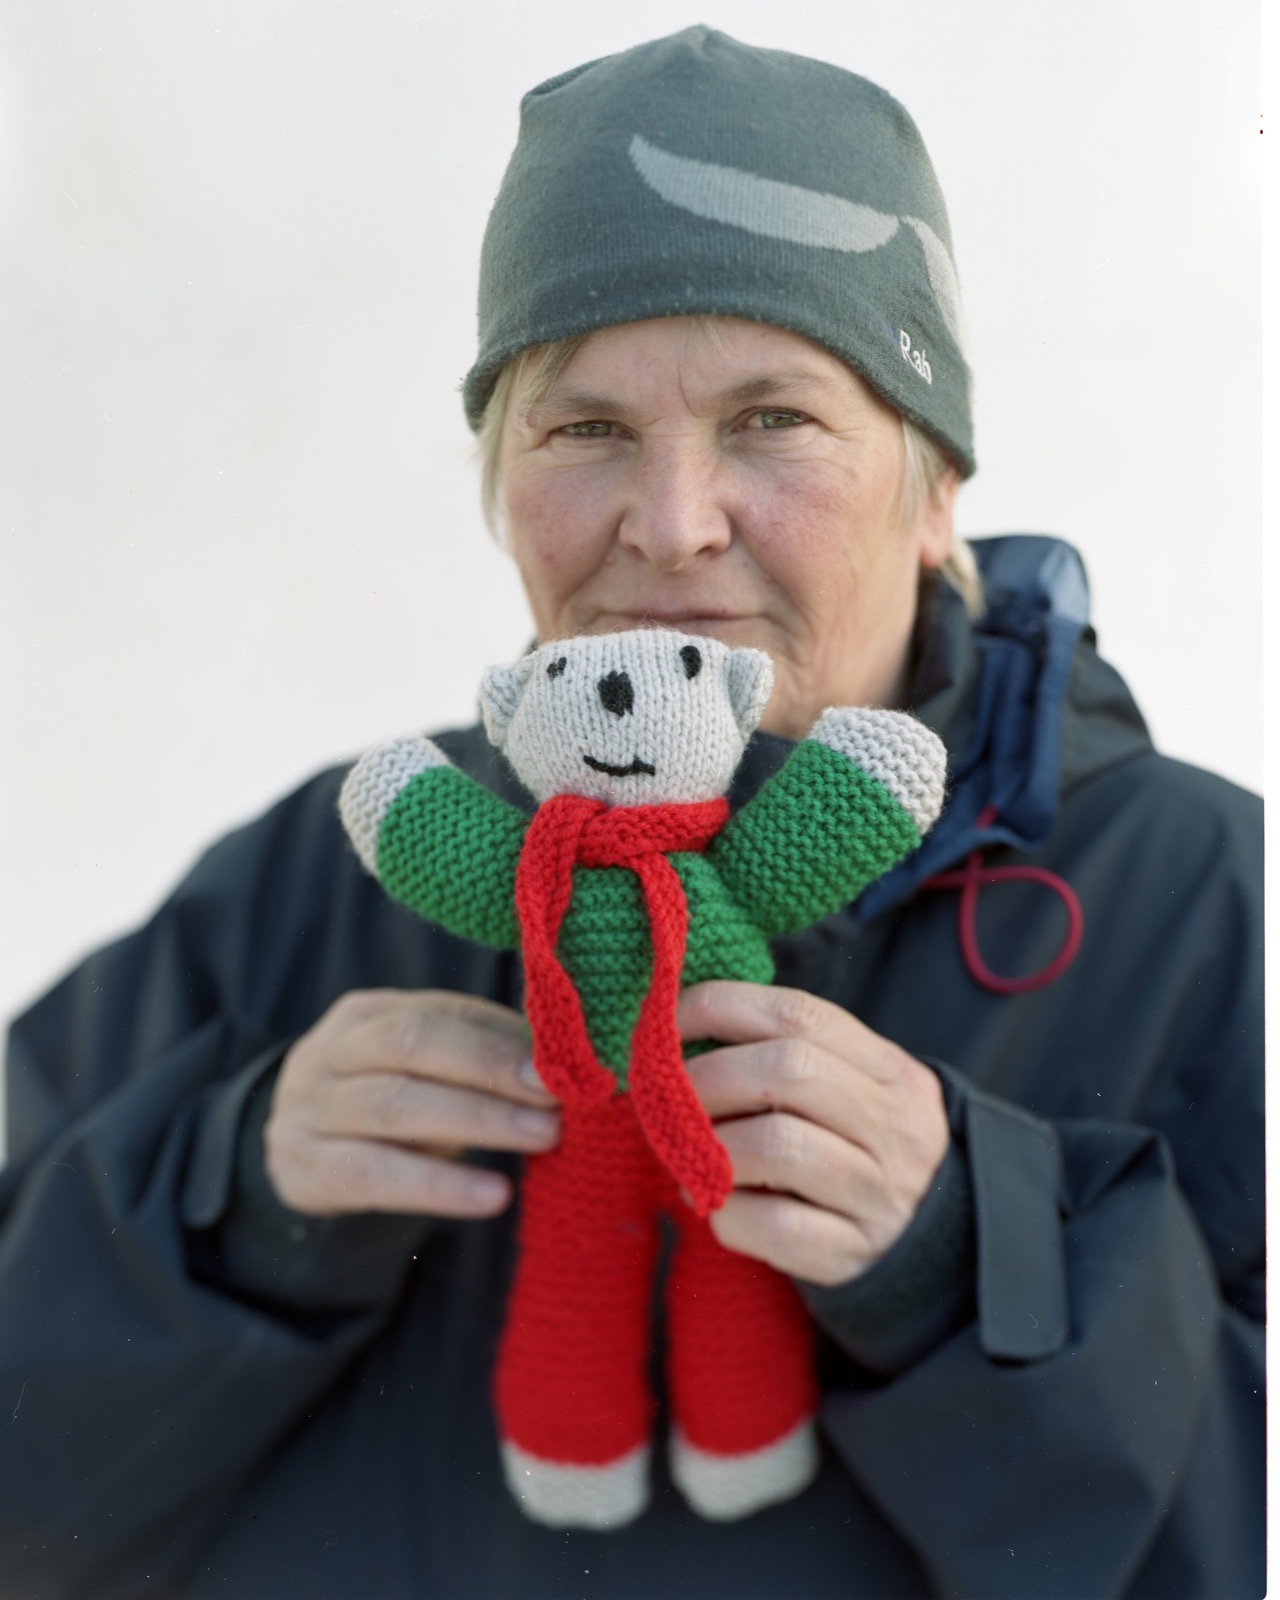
(936, 528)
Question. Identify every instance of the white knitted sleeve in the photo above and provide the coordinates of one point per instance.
(372, 785)
(896, 750)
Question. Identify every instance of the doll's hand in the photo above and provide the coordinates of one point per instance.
(375, 1105)
(835, 1133)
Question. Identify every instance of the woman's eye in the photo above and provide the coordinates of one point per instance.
(588, 430)
(778, 419)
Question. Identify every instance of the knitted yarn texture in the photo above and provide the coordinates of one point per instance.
(663, 721)
(699, 175)
(568, 830)
(631, 880)
(571, 1388)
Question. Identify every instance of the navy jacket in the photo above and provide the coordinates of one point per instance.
(1052, 1386)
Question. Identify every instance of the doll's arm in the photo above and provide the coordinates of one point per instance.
(435, 839)
(854, 798)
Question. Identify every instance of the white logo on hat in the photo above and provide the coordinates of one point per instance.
(919, 359)
(800, 216)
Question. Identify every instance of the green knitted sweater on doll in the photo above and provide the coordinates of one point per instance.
(646, 718)
(813, 837)
(630, 881)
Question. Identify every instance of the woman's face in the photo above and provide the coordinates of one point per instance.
(725, 478)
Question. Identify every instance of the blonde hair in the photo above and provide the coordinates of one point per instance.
(925, 462)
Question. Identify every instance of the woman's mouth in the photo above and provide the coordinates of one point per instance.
(689, 620)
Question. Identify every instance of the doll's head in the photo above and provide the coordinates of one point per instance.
(645, 717)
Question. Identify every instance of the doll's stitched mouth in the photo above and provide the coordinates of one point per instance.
(635, 769)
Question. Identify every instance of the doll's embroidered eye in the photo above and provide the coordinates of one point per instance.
(556, 667)
(692, 658)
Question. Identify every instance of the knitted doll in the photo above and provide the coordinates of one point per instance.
(630, 881)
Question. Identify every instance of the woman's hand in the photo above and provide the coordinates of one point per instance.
(375, 1105)
(834, 1132)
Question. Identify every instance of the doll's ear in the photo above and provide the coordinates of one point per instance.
(750, 682)
(501, 690)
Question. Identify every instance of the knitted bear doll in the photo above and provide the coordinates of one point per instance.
(630, 881)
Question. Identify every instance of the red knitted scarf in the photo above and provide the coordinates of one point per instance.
(568, 831)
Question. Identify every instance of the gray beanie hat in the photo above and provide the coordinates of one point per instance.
(697, 175)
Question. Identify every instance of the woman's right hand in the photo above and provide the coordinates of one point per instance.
(375, 1105)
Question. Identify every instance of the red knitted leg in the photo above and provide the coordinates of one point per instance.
(571, 1388)
(741, 1378)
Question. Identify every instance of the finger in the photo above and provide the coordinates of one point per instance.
(788, 1075)
(794, 1156)
(398, 1108)
(457, 1039)
(359, 1004)
(793, 1237)
(363, 1175)
(745, 1013)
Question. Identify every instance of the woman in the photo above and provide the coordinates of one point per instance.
(721, 385)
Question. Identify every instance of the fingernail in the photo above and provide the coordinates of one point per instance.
(486, 1188)
(528, 1075)
(539, 1125)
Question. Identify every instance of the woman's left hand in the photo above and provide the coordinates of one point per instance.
(835, 1133)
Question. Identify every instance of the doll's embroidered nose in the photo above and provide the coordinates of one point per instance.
(616, 693)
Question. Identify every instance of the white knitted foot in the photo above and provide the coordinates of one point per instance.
(896, 749)
(722, 1488)
(372, 785)
(561, 1495)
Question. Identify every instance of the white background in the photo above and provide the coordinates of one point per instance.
(238, 248)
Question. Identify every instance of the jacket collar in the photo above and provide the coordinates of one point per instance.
(1004, 693)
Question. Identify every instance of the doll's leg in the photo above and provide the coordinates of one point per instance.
(740, 1372)
(571, 1387)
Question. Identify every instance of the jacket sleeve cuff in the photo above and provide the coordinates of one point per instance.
(984, 1248)
(1015, 1168)
(243, 1239)
(919, 1292)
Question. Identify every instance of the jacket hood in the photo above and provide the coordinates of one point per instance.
(1024, 703)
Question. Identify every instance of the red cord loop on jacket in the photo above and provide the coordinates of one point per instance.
(971, 879)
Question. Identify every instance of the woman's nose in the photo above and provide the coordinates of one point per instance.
(676, 507)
